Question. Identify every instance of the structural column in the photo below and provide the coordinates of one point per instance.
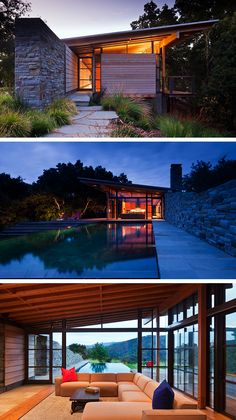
(202, 345)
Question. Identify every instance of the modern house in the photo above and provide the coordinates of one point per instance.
(184, 333)
(135, 201)
(131, 62)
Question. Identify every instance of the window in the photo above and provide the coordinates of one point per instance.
(56, 354)
(230, 363)
(186, 359)
(38, 357)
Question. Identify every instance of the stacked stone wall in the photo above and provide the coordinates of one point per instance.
(210, 215)
(39, 63)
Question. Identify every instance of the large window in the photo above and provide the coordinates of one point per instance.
(38, 357)
(186, 359)
(222, 348)
(102, 351)
(85, 73)
(230, 363)
(56, 354)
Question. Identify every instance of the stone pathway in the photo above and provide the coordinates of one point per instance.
(184, 256)
(91, 121)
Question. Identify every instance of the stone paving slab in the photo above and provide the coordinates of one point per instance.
(184, 256)
(87, 123)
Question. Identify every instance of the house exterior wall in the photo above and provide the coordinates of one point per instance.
(131, 74)
(2, 357)
(39, 63)
(209, 215)
(72, 71)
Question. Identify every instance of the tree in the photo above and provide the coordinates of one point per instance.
(99, 352)
(153, 16)
(196, 10)
(10, 10)
(218, 98)
(12, 188)
(79, 349)
(204, 176)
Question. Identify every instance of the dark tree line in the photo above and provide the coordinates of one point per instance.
(10, 10)
(204, 175)
(57, 192)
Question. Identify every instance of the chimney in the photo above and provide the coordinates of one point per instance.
(176, 177)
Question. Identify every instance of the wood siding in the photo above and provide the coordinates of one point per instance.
(1, 356)
(14, 355)
(72, 76)
(132, 74)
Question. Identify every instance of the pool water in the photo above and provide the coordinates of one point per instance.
(96, 251)
(104, 368)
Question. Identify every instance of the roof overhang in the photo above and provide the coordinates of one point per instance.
(165, 34)
(106, 186)
(46, 305)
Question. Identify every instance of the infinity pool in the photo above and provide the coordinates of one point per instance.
(96, 251)
(104, 367)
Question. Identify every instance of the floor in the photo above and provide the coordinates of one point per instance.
(34, 402)
(184, 256)
(89, 122)
(18, 401)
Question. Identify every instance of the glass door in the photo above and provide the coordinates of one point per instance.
(86, 73)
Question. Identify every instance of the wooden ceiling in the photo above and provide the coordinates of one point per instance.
(28, 304)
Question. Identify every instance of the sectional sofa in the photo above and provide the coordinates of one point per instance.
(134, 391)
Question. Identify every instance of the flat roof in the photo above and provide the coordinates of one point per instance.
(161, 31)
(118, 186)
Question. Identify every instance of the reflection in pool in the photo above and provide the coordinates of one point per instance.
(96, 250)
(104, 367)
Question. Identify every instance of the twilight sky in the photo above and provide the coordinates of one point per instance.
(84, 17)
(143, 162)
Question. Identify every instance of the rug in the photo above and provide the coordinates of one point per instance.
(55, 408)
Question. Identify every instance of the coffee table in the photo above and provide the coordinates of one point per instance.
(80, 398)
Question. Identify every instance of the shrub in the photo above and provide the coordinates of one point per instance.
(8, 102)
(59, 117)
(128, 109)
(14, 124)
(125, 131)
(41, 123)
(63, 104)
(173, 127)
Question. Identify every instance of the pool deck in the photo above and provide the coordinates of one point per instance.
(184, 256)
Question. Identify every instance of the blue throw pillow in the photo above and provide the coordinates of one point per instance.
(163, 397)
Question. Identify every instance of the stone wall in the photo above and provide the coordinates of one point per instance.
(39, 63)
(210, 215)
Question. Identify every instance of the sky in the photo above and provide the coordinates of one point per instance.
(72, 18)
(145, 162)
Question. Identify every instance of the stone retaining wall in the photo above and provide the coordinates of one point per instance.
(210, 215)
(39, 63)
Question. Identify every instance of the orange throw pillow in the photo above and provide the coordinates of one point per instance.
(68, 375)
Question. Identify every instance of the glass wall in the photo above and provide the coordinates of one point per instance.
(86, 73)
(128, 205)
(56, 354)
(38, 357)
(102, 351)
(222, 348)
(130, 48)
(230, 363)
(186, 359)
